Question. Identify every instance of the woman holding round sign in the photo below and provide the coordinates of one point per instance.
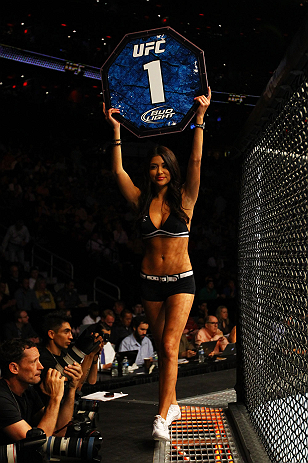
(165, 208)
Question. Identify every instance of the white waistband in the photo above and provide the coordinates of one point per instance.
(166, 278)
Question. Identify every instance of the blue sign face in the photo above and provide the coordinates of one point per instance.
(152, 78)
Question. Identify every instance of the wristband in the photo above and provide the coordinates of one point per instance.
(201, 126)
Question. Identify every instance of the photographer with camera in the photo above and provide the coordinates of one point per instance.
(20, 404)
(58, 351)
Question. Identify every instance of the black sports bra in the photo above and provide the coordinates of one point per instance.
(172, 228)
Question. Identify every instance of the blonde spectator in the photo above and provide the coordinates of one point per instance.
(44, 296)
(223, 320)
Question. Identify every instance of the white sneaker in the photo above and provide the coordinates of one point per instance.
(160, 429)
(174, 413)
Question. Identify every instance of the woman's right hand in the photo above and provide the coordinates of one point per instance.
(109, 116)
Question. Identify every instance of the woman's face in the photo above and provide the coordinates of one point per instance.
(224, 313)
(159, 173)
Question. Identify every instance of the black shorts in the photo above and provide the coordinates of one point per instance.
(160, 291)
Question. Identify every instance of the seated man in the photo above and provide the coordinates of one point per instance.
(93, 315)
(107, 319)
(138, 341)
(69, 295)
(20, 328)
(25, 296)
(210, 332)
(186, 348)
(122, 329)
(57, 337)
(21, 406)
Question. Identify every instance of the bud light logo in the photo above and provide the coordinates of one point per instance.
(157, 115)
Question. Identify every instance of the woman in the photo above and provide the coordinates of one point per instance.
(223, 320)
(167, 283)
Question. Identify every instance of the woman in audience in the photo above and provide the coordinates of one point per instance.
(223, 320)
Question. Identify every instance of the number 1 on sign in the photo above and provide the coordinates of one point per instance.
(155, 81)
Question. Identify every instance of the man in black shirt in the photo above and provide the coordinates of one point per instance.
(20, 405)
(57, 337)
(20, 328)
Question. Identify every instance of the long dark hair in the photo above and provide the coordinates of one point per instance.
(174, 194)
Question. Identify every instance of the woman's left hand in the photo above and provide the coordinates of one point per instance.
(204, 103)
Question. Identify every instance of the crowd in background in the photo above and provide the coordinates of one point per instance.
(69, 202)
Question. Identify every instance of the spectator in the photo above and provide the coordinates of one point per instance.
(186, 349)
(43, 295)
(202, 309)
(117, 308)
(69, 295)
(34, 273)
(120, 235)
(7, 292)
(229, 290)
(20, 328)
(21, 406)
(191, 328)
(6, 303)
(81, 212)
(121, 330)
(13, 279)
(93, 315)
(223, 320)
(210, 332)
(107, 319)
(139, 341)
(138, 309)
(208, 292)
(95, 245)
(25, 297)
(14, 242)
(202, 313)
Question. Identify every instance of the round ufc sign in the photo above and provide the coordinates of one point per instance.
(152, 77)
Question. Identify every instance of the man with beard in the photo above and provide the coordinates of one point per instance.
(138, 340)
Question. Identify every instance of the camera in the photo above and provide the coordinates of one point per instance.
(83, 405)
(83, 346)
(20, 451)
(83, 426)
(37, 448)
(101, 330)
(84, 418)
(86, 449)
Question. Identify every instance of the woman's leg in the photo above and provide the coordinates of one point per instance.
(167, 322)
(155, 312)
(177, 309)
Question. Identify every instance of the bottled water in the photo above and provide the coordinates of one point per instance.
(125, 365)
(114, 368)
(201, 354)
(155, 359)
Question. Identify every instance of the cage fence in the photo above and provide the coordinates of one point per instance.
(273, 255)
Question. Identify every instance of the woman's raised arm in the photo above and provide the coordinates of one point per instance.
(191, 187)
(130, 192)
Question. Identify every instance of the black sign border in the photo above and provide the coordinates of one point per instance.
(144, 132)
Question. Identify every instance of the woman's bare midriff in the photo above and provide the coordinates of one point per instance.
(165, 256)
